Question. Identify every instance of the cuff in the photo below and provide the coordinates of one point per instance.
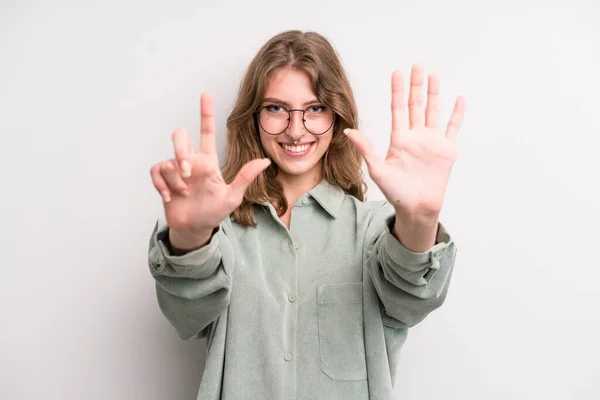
(161, 254)
(416, 261)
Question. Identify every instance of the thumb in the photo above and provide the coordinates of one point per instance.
(364, 145)
(245, 176)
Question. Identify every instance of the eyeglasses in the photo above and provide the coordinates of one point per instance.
(275, 119)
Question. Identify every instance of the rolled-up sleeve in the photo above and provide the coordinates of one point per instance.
(410, 284)
(192, 289)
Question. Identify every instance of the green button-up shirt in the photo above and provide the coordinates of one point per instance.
(319, 311)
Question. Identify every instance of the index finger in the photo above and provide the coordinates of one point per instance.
(207, 124)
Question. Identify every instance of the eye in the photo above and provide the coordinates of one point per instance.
(316, 109)
(274, 108)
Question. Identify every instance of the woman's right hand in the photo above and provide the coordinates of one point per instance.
(195, 196)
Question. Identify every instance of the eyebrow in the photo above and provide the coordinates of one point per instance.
(285, 103)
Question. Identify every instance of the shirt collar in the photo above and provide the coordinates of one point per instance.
(329, 196)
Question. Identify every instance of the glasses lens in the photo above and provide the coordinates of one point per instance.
(273, 119)
(318, 119)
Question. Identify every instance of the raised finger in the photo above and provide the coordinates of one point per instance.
(171, 174)
(432, 111)
(415, 97)
(159, 183)
(183, 151)
(457, 118)
(207, 124)
(366, 148)
(245, 176)
(398, 102)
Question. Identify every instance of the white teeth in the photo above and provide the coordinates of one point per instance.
(296, 149)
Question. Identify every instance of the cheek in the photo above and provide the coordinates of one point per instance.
(269, 145)
(324, 143)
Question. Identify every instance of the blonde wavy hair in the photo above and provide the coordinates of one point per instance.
(312, 53)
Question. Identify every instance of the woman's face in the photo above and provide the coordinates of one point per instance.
(286, 90)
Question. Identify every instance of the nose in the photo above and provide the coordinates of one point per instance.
(296, 128)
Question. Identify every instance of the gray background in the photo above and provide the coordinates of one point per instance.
(89, 96)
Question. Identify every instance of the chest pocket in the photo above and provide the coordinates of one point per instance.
(341, 333)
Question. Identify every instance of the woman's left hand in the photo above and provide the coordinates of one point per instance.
(415, 173)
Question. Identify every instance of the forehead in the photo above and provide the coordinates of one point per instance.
(290, 85)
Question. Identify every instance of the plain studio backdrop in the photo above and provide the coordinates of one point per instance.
(89, 96)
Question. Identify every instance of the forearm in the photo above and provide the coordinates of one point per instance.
(192, 289)
(411, 284)
(191, 305)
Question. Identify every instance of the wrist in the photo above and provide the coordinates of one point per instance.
(416, 232)
(184, 242)
(417, 219)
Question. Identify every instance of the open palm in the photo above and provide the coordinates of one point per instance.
(415, 172)
(196, 197)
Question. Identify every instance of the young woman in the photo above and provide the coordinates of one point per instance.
(302, 289)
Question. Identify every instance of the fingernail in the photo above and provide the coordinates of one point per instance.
(186, 193)
(268, 160)
(186, 171)
(166, 197)
(347, 130)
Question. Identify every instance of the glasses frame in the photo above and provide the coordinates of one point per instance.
(289, 119)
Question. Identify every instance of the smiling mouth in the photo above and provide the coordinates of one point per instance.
(300, 148)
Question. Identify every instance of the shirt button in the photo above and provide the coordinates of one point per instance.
(287, 357)
(296, 246)
(305, 201)
(292, 298)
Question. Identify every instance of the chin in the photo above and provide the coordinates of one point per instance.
(296, 170)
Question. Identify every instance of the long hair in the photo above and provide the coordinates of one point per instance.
(341, 164)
